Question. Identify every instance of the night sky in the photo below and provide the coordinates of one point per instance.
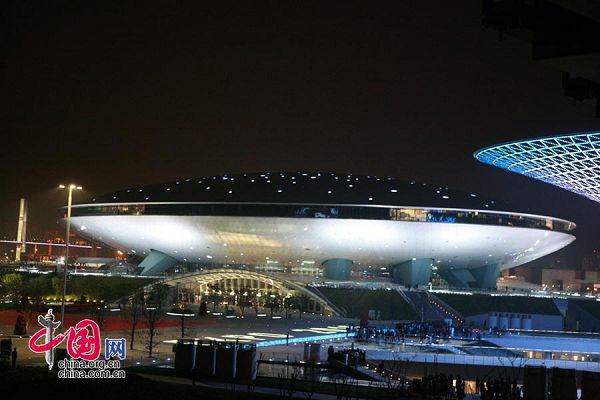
(112, 96)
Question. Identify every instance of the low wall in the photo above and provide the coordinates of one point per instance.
(539, 322)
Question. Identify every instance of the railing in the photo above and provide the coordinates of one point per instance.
(356, 285)
(408, 300)
(307, 339)
(442, 304)
(512, 362)
(523, 292)
(280, 357)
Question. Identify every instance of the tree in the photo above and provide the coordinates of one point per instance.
(154, 304)
(99, 314)
(272, 302)
(57, 285)
(258, 301)
(13, 286)
(292, 303)
(202, 310)
(136, 302)
(215, 296)
(36, 289)
(303, 302)
(20, 325)
(245, 297)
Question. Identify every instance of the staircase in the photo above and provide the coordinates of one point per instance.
(424, 306)
(445, 309)
(339, 310)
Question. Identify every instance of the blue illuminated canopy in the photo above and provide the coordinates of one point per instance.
(571, 162)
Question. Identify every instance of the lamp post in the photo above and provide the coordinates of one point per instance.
(182, 313)
(64, 293)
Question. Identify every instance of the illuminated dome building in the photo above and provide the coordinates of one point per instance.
(571, 162)
(342, 225)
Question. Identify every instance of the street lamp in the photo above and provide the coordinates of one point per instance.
(64, 293)
(182, 313)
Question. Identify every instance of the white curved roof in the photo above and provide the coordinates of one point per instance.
(236, 240)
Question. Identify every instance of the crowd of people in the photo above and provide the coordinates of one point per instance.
(426, 332)
(352, 357)
(451, 387)
(440, 386)
(498, 389)
(445, 386)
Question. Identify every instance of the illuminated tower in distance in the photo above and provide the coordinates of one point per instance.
(21, 230)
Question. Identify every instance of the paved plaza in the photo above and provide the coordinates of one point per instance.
(250, 329)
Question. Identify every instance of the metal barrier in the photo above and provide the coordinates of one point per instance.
(316, 338)
(483, 360)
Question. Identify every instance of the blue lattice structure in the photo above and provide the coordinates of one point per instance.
(571, 162)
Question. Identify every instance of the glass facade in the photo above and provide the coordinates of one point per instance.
(407, 214)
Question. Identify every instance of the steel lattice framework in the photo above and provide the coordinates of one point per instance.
(571, 162)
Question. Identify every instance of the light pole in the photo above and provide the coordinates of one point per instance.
(182, 313)
(64, 293)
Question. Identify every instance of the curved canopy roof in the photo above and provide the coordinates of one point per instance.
(571, 162)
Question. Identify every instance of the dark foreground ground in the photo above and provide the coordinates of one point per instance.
(159, 383)
(26, 383)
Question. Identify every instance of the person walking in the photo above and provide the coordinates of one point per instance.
(14, 357)
(194, 375)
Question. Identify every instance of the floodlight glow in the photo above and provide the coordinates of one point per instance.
(571, 162)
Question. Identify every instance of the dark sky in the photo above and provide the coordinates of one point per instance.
(110, 96)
